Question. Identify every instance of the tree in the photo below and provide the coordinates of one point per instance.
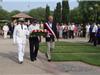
(55, 16)
(14, 12)
(75, 16)
(47, 12)
(65, 11)
(57, 13)
(38, 13)
(0, 7)
(4, 15)
(89, 10)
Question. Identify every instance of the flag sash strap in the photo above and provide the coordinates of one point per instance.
(50, 30)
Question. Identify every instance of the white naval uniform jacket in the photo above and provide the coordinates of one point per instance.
(19, 35)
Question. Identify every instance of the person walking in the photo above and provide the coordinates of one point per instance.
(51, 35)
(19, 38)
(34, 41)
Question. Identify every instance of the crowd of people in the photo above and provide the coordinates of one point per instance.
(70, 30)
(64, 31)
(91, 31)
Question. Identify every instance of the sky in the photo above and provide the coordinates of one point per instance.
(26, 5)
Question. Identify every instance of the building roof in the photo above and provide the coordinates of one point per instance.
(21, 15)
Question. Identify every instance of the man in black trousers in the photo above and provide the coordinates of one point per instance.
(33, 41)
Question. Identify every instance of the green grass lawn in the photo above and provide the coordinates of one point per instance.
(66, 51)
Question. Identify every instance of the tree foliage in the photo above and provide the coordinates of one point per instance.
(14, 12)
(47, 12)
(38, 13)
(4, 15)
(65, 11)
(89, 10)
(75, 16)
(57, 13)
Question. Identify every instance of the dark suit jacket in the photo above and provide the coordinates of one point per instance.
(54, 28)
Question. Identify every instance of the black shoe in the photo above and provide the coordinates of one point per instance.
(46, 55)
(35, 59)
(20, 62)
(32, 60)
(49, 60)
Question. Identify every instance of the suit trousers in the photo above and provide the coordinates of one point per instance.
(50, 46)
(34, 47)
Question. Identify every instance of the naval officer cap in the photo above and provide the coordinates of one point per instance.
(21, 20)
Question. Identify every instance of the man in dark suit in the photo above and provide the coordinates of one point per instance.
(51, 35)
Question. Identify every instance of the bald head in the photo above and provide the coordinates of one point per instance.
(50, 18)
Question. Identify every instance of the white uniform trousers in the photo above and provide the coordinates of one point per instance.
(21, 48)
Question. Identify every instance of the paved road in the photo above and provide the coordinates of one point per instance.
(9, 64)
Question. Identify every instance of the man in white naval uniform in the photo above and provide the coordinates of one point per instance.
(19, 37)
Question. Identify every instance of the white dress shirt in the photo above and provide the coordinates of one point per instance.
(95, 28)
(50, 24)
(87, 28)
(33, 27)
(72, 27)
